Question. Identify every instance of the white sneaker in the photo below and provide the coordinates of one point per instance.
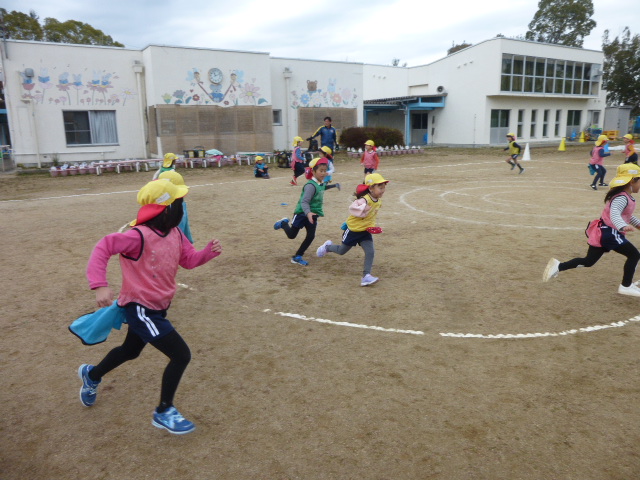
(322, 249)
(368, 279)
(632, 290)
(551, 270)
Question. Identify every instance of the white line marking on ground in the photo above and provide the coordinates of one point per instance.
(344, 324)
(574, 331)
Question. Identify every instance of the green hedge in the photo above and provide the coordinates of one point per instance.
(355, 137)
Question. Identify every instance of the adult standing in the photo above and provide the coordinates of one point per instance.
(327, 134)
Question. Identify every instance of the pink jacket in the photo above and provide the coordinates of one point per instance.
(149, 263)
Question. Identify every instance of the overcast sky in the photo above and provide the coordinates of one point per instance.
(368, 31)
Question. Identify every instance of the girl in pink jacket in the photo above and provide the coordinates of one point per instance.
(597, 159)
(150, 254)
(369, 158)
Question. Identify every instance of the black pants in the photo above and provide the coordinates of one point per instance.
(172, 345)
(292, 232)
(595, 253)
(600, 173)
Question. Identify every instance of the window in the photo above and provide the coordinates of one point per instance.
(520, 123)
(419, 121)
(277, 117)
(499, 118)
(92, 127)
(545, 75)
(556, 129)
(534, 117)
(545, 123)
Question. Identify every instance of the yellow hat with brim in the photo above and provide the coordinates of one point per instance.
(326, 150)
(173, 176)
(374, 179)
(625, 173)
(169, 158)
(296, 140)
(318, 161)
(601, 139)
(155, 196)
(370, 142)
(628, 136)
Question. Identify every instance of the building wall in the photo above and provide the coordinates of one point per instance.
(69, 77)
(311, 90)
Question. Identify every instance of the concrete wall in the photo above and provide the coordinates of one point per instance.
(320, 85)
(70, 77)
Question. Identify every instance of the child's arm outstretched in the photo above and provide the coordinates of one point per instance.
(128, 243)
(192, 258)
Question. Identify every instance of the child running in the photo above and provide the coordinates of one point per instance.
(609, 233)
(297, 161)
(149, 255)
(514, 152)
(630, 155)
(370, 158)
(168, 163)
(597, 162)
(307, 211)
(361, 224)
(326, 153)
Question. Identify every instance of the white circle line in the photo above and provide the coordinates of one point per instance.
(345, 324)
(574, 331)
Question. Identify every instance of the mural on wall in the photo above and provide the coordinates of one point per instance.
(72, 90)
(331, 96)
(211, 87)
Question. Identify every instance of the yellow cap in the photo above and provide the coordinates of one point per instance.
(511, 135)
(173, 176)
(374, 179)
(628, 136)
(326, 150)
(296, 140)
(625, 173)
(259, 158)
(169, 158)
(161, 192)
(601, 139)
(370, 142)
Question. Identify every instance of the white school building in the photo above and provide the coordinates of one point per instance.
(74, 103)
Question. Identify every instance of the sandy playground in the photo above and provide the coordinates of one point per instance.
(459, 364)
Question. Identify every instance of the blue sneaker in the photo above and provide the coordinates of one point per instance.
(88, 392)
(299, 260)
(172, 421)
(278, 224)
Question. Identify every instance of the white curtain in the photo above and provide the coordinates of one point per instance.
(103, 127)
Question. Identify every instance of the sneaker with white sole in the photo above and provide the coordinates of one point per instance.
(88, 391)
(299, 260)
(632, 290)
(172, 421)
(322, 249)
(551, 270)
(278, 224)
(368, 279)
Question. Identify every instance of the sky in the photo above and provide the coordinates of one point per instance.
(365, 31)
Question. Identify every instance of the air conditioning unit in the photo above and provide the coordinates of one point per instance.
(441, 89)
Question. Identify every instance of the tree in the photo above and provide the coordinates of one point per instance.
(564, 22)
(396, 63)
(20, 26)
(621, 77)
(73, 31)
(454, 48)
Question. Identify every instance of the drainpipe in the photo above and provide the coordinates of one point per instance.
(138, 68)
(287, 128)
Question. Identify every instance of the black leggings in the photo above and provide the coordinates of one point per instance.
(172, 345)
(292, 232)
(594, 253)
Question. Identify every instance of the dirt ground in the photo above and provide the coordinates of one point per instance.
(478, 370)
